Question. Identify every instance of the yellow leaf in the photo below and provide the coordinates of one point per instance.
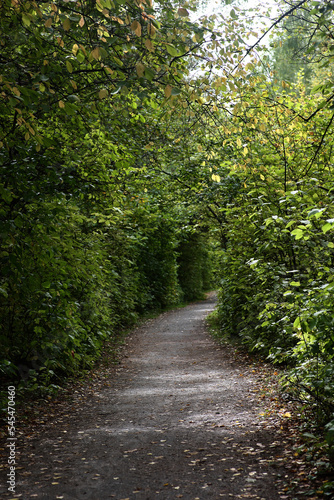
(287, 414)
(245, 151)
(75, 49)
(103, 93)
(140, 68)
(27, 136)
(215, 177)
(74, 85)
(136, 27)
(66, 24)
(81, 22)
(168, 90)
(262, 177)
(48, 23)
(61, 104)
(16, 91)
(149, 45)
(183, 12)
(95, 53)
(151, 30)
(109, 70)
(26, 19)
(83, 49)
(239, 142)
(69, 66)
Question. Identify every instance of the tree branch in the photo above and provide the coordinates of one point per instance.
(268, 30)
(309, 166)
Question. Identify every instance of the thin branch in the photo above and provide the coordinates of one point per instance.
(268, 30)
(309, 166)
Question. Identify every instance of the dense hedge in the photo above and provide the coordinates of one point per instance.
(69, 283)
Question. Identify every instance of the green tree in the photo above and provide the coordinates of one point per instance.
(85, 242)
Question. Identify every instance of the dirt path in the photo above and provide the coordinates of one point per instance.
(178, 420)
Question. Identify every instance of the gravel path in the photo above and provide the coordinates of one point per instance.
(178, 419)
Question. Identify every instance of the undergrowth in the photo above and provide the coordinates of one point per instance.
(310, 435)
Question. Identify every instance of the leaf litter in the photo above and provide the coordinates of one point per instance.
(237, 438)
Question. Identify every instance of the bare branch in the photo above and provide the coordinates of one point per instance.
(284, 15)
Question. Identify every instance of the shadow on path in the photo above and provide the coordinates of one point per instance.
(177, 421)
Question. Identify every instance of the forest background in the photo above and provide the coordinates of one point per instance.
(146, 157)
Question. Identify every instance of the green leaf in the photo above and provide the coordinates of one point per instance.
(329, 436)
(26, 19)
(149, 74)
(309, 435)
(296, 323)
(297, 233)
(326, 227)
(316, 212)
(80, 56)
(172, 50)
(66, 24)
(253, 262)
(69, 66)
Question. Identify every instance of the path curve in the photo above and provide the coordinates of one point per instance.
(178, 419)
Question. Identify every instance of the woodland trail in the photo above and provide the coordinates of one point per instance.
(178, 419)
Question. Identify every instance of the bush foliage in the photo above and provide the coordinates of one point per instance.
(142, 155)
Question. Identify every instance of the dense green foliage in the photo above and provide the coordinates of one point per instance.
(277, 272)
(90, 236)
